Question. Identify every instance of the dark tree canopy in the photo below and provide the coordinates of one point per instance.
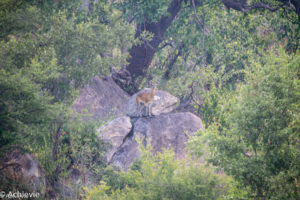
(141, 55)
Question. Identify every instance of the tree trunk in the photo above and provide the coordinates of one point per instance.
(142, 55)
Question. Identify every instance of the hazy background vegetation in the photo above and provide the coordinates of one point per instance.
(243, 67)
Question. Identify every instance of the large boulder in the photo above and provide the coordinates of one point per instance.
(101, 98)
(115, 133)
(164, 131)
(164, 102)
(22, 171)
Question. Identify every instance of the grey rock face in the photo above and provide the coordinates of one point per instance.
(163, 103)
(127, 153)
(164, 131)
(114, 133)
(101, 98)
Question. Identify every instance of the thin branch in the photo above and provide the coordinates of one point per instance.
(245, 154)
(192, 94)
(149, 45)
(200, 104)
(130, 19)
(165, 44)
(198, 19)
(260, 5)
(173, 60)
(242, 5)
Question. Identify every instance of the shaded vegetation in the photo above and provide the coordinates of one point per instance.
(236, 62)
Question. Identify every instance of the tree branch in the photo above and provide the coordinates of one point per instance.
(245, 154)
(260, 5)
(199, 104)
(241, 5)
(236, 5)
(202, 25)
(173, 60)
(165, 44)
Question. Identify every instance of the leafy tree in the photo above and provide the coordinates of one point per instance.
(156, 17)
(214, 58)
(48, 51)
(256, 136)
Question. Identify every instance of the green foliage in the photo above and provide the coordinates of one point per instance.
(161, 176)
(143, 10)
(255, 139)
(214, 57)
(48, 51)
(21, 107)
(85, 147)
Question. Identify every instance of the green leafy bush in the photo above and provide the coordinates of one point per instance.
(256, 139)
(161, 176)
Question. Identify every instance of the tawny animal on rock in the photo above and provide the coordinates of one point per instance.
(145, 98)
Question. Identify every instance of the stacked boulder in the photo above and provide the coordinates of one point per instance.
(164, 129)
